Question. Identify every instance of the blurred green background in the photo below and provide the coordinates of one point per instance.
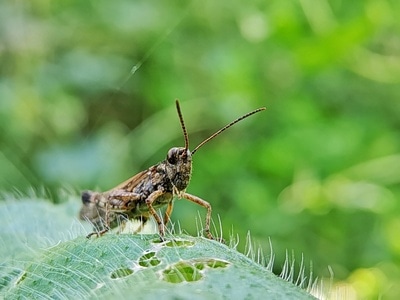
(87, 92)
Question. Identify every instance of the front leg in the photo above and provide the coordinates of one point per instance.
(168, 211)
(149, 201)
(206, 205)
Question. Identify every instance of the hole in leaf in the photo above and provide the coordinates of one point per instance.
(120, 273)
(175, 243)
(157, 241)
(199, 266)
(211, 263)
(149, 255)
(179, 243)
(215, 263)
(180, 272)
(149, 260)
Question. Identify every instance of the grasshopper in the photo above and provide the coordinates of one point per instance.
(140, 196)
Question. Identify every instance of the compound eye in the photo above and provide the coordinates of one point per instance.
(172, 156)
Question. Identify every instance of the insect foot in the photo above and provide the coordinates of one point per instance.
(143, 194)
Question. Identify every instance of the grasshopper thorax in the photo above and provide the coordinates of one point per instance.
(179, 167)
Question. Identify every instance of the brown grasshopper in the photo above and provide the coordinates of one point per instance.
(140, 196)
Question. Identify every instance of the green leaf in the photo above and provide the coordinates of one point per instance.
(126, 265)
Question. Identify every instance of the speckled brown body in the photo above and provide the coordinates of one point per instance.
(129, 200)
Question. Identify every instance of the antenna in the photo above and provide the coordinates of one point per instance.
(185, 135)
(223, 128)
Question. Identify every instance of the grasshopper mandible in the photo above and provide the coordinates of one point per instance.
(140, 196)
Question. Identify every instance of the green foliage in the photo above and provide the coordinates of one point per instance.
(128, 266)
(87, 93)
